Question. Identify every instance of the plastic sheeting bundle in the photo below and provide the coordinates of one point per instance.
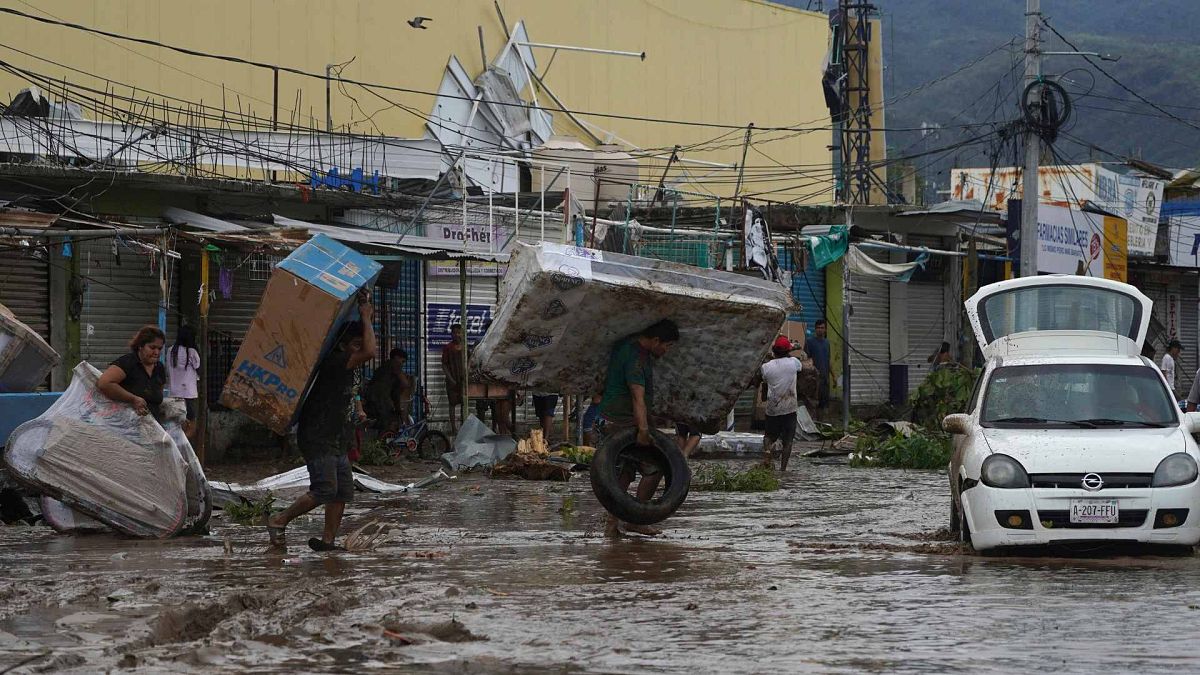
(563, 308)
(100, 458)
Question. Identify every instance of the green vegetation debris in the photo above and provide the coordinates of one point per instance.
(251, 513)
(579, 455)
(720, 478)
(944, 392)
(920, 450)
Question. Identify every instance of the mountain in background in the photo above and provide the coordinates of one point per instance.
(925, 40)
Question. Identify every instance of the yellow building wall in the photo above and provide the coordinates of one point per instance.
(726, 61)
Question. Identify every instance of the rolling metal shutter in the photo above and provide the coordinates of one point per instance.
(1189, 313)
(869, 339)
(233, 315)
(926, 322)
(808, 289)
(119, 299)
(439, 289)
(25, 289)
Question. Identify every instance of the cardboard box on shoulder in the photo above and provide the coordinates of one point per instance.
(310, 294)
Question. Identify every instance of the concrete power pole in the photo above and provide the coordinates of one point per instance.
(1033, 146)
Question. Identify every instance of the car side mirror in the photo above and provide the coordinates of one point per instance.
(1191, 422)
(958, 424)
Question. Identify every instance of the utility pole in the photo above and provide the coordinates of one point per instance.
(737, 191)
(1033, 146)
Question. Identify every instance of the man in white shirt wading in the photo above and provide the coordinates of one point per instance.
(779, 375)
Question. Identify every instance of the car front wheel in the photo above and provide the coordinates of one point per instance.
(954, 521)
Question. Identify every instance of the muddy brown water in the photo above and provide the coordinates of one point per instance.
(841, 570)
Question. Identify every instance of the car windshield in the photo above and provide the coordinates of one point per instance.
(1077, 395)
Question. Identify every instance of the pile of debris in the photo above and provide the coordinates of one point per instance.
(532, 461)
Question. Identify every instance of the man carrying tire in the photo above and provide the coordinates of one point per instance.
(628, 393)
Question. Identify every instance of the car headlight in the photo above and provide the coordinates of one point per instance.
(1002, 471)
(1176, 469)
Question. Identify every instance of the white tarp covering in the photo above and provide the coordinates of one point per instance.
(100, 458)
(562, 309)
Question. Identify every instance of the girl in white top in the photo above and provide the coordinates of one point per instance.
(183, 372)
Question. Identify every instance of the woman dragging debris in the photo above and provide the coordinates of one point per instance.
(183, 371)
(137, 378)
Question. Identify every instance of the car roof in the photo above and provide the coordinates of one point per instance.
(1116, 360)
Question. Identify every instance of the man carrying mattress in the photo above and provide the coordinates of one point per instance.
(628, 394)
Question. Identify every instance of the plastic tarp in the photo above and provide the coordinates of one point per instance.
(563, 308)
(475, 445)
(102, 459)
(865, 265)
(296, 480)
(829, 248)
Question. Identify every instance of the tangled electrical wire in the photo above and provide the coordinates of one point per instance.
(1045, 107)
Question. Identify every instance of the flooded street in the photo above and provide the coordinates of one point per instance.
(841, 570)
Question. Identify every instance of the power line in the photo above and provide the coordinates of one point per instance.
(1117, 82)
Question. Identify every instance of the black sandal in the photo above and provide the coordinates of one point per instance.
(276, 535)
(320, 546)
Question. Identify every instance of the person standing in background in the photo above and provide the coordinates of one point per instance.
(183, 372)
(455, 374)
(1169, 362)
(818, 350)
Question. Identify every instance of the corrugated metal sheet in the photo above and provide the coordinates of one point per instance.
(445, 290)
(233, 314)
(119, 299)
(869, 338)
(25, 289)
(925, 318)
(808, 289)
(1189, 314)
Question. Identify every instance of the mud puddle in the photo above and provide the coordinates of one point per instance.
(839, 571)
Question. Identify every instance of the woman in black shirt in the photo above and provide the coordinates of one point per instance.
(138, 378)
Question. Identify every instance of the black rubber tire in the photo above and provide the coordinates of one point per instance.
(621, 448)
(955, 524)
(964, 529)
(433, 445)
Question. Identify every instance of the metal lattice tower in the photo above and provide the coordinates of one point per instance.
(854, 40)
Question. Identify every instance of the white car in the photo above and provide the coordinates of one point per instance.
(1071, 435)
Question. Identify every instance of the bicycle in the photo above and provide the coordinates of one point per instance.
(417, 438)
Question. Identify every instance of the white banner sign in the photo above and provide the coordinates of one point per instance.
(1069, 240)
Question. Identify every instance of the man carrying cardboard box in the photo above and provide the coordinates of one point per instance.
(324, 432)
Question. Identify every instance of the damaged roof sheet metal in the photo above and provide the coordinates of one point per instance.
(488, 113)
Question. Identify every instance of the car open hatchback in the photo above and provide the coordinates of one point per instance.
(1071, 435)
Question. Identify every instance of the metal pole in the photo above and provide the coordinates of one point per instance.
(328, 111)
(462, 311)
(202, 413)
(590, 50)
(1033, 147)
(845, 330)
(737, 191)
(275, 110)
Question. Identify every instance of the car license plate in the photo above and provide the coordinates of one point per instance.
(1095, 511)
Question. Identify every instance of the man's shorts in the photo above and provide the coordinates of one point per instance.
(544, 406)
(782, 427)
(684, 431)
(605, 429)
(190, 405)
(329, 478)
